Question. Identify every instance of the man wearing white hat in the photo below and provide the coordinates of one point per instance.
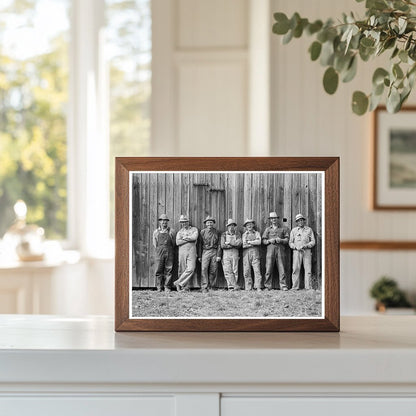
(301, 241)
(164, 243)
(186, 241)
(275, 237)
(230, 243)
(251, 255)
(210, 253)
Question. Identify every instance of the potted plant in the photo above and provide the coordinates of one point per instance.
(387, 294)
(389, 27)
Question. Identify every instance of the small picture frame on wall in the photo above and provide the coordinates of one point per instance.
(394, 159)
(227, 244)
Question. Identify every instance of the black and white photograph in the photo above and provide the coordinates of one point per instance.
(227, 244)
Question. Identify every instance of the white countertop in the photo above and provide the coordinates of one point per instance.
(46, 349)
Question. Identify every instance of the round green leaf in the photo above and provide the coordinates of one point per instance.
(359, 103)
(314, 27)
(379, 75)
(330, 80)
(281, 26)
(315, 50)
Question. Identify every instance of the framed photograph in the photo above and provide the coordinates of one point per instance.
(394, 178)
(227, 244)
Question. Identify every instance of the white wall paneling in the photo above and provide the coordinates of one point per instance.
(212, 102)
(212, 24)
(202, 83)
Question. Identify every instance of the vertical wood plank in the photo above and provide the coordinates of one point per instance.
(296, 206)
(287, 214)
(255, 206)
(280, 194)
(177, 200)
(304, 194)
(319, 212)
(169, 196)
(161, 193)
(312, 212)
(248, 187)
(185, 195)
(194, 213)
(135, 222)
(230, 196)
(152, 185)
(239, 207)
(287, 196)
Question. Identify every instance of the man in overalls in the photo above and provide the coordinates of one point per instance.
(211, 253)
(301, 242)
(186, 241)
(275, 237)
(230, 244)
(164, 243)
(251, 255)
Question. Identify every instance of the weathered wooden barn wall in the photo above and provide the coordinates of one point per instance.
(222, 195)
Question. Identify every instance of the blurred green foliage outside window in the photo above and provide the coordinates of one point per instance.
(34, 91)
(33, 99)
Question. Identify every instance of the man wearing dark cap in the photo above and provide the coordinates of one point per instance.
(164, 243)
(275, 237)
(209, 253)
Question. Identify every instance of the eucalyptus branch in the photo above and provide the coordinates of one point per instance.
(389, 25)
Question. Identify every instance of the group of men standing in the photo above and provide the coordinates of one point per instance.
(210, 247)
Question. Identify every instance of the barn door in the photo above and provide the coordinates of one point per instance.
(208, 199)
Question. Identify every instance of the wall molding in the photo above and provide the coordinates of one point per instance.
(377, 245)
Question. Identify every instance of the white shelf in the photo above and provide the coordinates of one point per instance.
(46, 349)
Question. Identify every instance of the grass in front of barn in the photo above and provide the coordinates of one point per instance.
(223, 303)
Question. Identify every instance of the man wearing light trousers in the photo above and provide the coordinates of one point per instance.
(251, 255)
(301, 242)
(230, 244)
(186, 241)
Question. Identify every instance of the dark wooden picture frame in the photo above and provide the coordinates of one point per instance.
(379, 169)
(329, 166)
